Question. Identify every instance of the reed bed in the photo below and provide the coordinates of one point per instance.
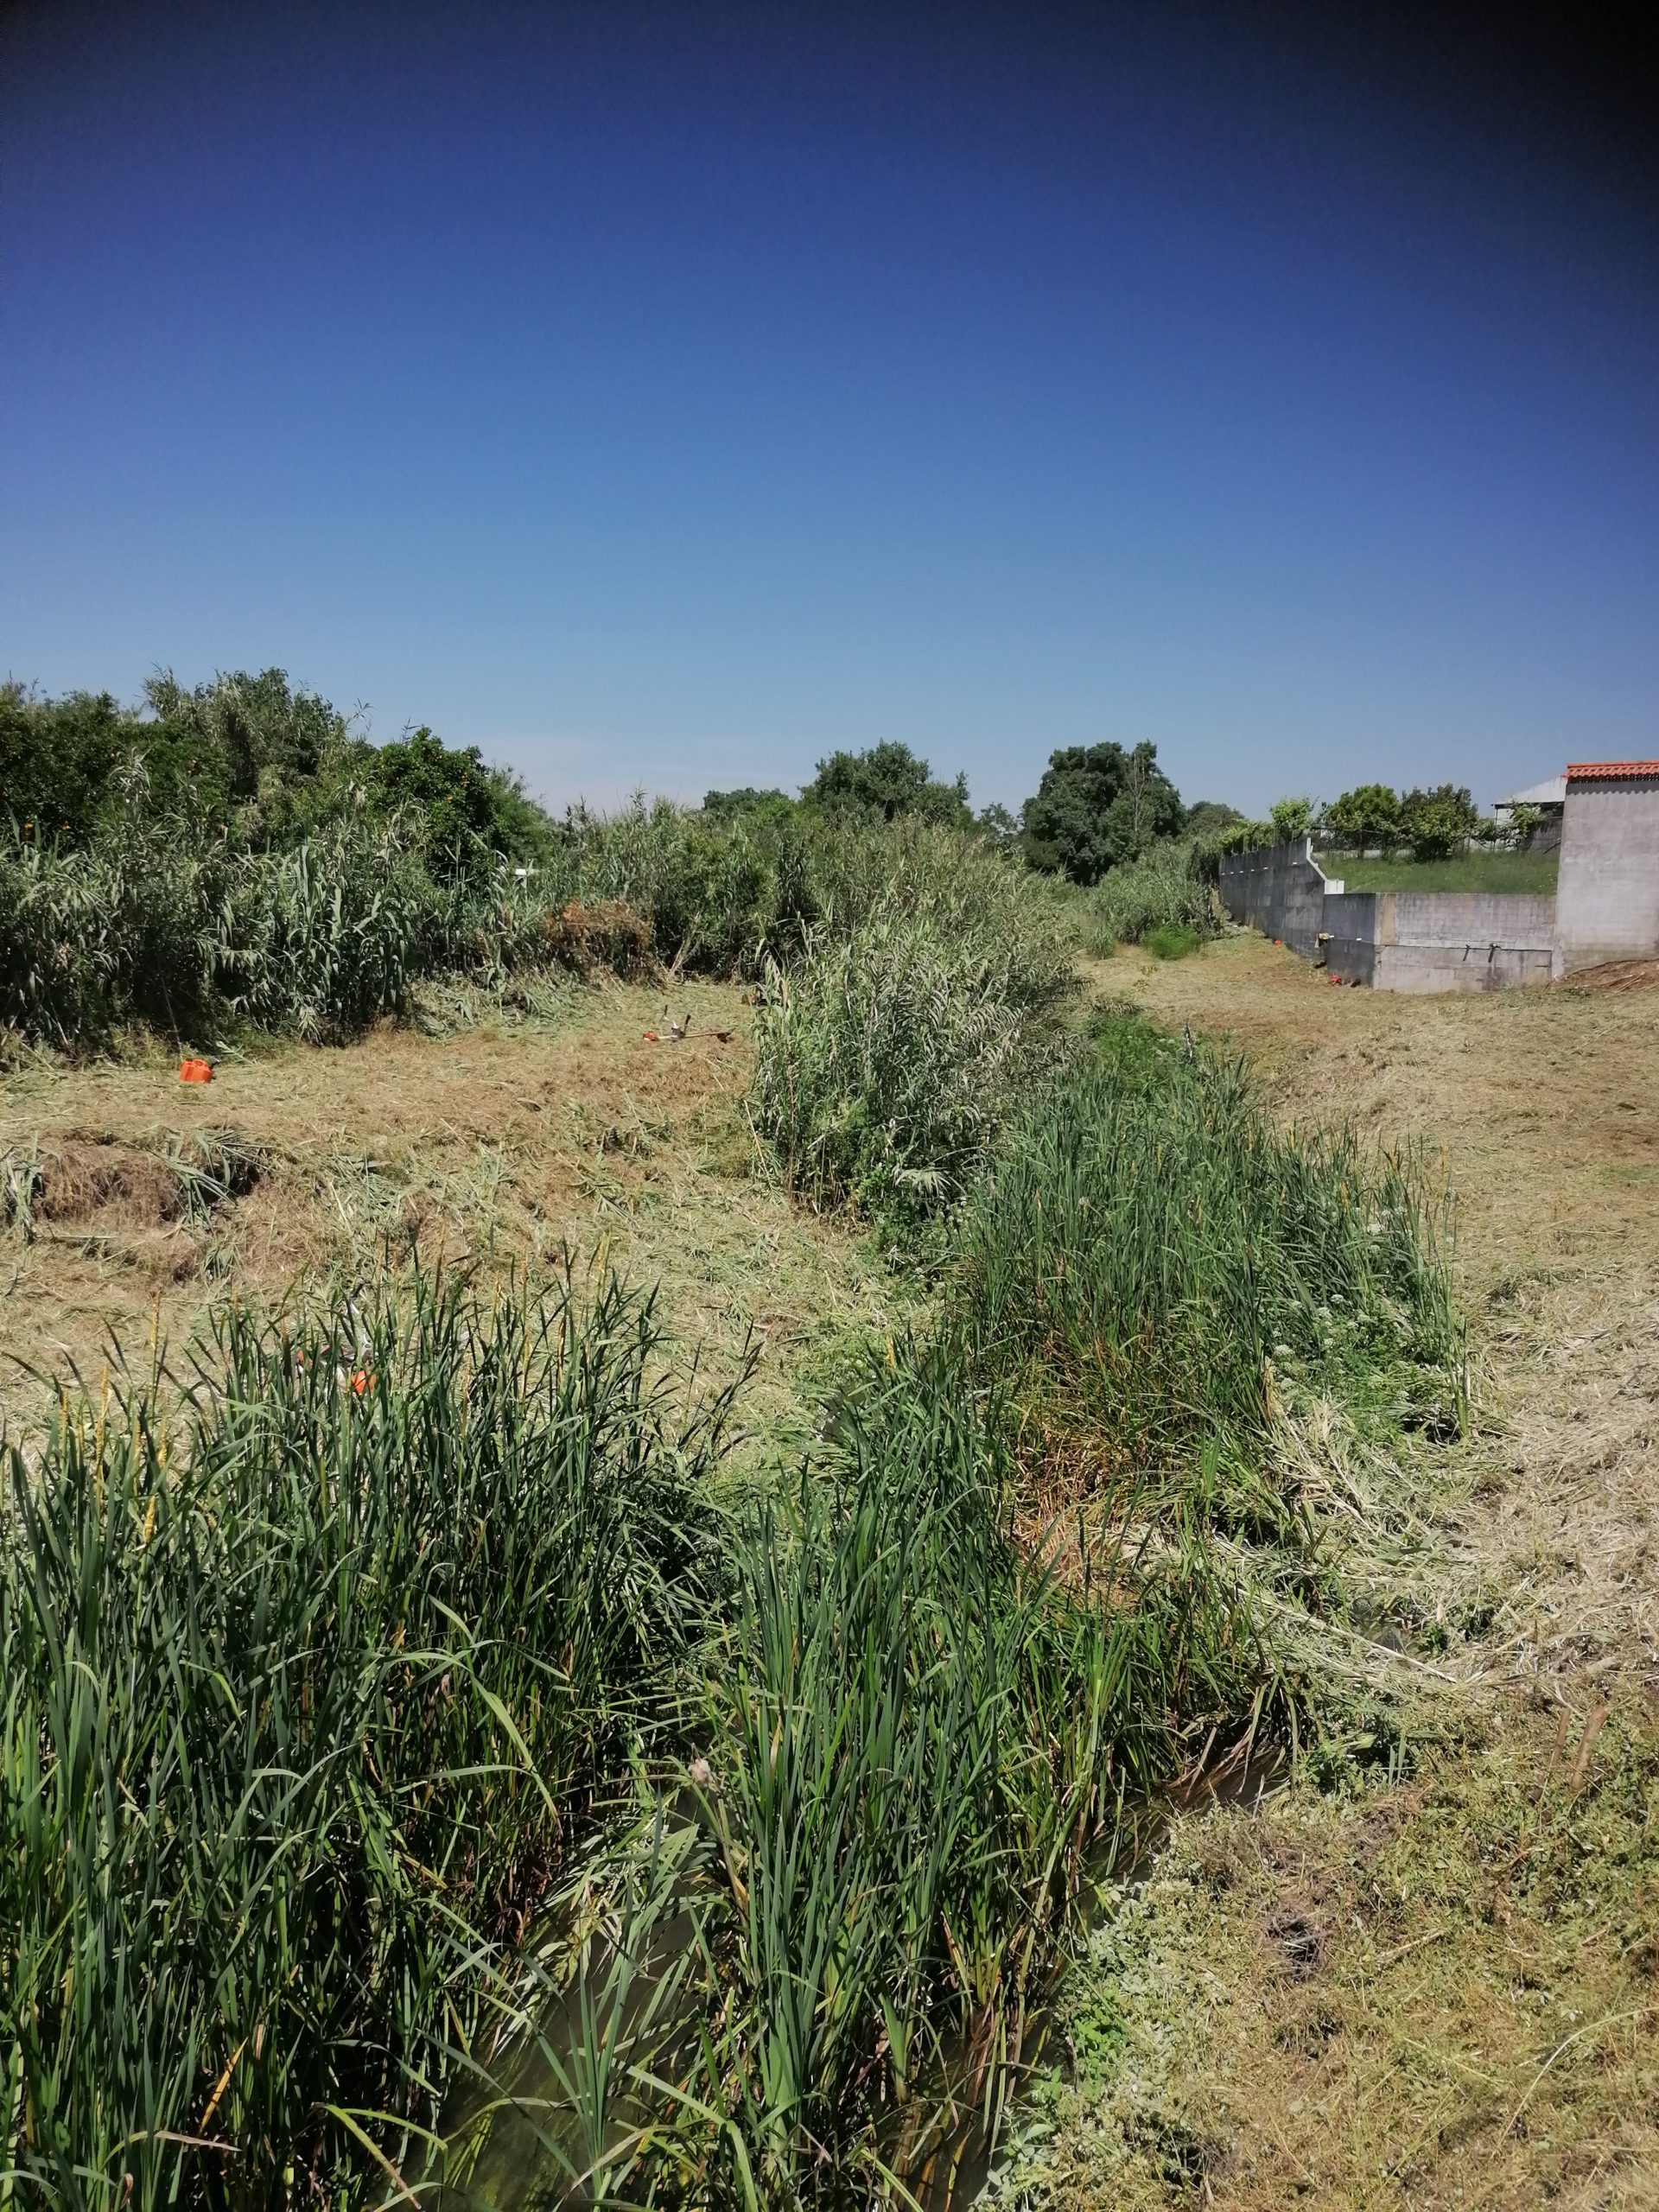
(308, 1667)
(890, 1060)
(1157, 1266)
(1164, 895)
(155, 926)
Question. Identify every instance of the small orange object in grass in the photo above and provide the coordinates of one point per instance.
(361, 1380)
(652, 1037)
(196, 1071)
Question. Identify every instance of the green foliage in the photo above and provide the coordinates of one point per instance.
(1291, 819)
(886, 1062)
(1437, 823)
(760, 811)
(1367, 815)
(918, 1736)
(1097, 805)
(65, 764)
(1207, 818)
(124, 931)
(1242, 836)
(304, 1674)
(1001, 828)
(325, 938)
(1529, 873)
(887, 780)
(1523, 824)
(1172, 941)
(1173, 1259)
(1165, 889)
(460, 816)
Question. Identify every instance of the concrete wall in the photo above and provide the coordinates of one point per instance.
(1392, 940)
(1463, 940)
(1607, 891)
(1279, 890)
(1349, 925)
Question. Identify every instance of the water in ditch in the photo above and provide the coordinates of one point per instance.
(533, 2150)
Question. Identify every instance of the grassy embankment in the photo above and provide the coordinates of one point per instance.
(1437, 1989)
(1514, 872)
(875, 1718)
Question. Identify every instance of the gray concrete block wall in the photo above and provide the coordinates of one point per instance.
(1278, 889)
(1522, 920)
(1413, 941)
(1349, 925)
(1607, 888)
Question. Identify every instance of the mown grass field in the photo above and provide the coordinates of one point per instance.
(1423, 1974)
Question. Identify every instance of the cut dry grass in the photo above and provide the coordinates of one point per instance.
(499, 1141)
(1445, 1993)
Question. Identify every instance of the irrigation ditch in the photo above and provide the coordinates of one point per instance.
(426, 1772)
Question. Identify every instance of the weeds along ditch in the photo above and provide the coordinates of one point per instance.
(425, 1770)
(309, 1662)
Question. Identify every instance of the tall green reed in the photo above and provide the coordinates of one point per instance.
(306, 1668)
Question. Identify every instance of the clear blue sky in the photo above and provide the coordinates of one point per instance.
(668, 394)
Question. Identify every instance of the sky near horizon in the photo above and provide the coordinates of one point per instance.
(665, 396)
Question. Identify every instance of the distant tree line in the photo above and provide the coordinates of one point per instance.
(254, 762)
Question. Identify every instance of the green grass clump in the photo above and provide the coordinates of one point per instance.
(1172, 941)
(888, 1060)
(1163, 895)
(1156, 1258)
(305, 1673)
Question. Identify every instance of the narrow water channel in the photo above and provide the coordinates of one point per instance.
(535, 2134)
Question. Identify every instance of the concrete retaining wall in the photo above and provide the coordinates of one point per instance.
(1350, 924)
(1395, 940)
(1279, 890)
(1607, 890)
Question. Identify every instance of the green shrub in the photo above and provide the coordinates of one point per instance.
(1163, 891)
(1172, 941)
(888, 1061)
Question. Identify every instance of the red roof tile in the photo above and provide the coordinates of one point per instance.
(1580, 772)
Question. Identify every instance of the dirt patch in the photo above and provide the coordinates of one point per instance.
(80, 1183)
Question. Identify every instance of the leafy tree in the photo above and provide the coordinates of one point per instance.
(1437, 823)
(1207, 818)
(62, 762)
(1000, 827)
(271, 737)
(1098, 805)
(890, 781)
(1523, 824)
(1367, 815)
(465, 816)
(1292, 818)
